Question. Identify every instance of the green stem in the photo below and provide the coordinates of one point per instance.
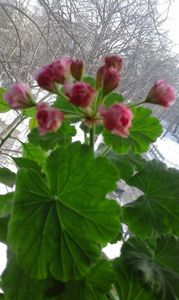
(92, 136)
(98, 100)
(70, 112)
(59, 93)
(85, 138)
(82, 110)
(108, 148)
(11, 131)
(111, 296)
(136, 104)
(72, 116)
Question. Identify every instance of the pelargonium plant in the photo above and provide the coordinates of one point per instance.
(60, 213)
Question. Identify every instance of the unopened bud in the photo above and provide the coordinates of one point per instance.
(77, 68)
(80, 93)
(48, 118)
(111, 79)
(162, 93)
(117, 119)
(19, 96)
(114, 61)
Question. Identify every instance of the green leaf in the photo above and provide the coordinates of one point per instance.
(90, 80)
(32, 123)
(94, 286)
(127, 285)
(53, 289)
(101, 276)
(157, 210)
(80, 291)
(157, 267)
(27, 163)
(48, 141)
(17, 285)
(127, 164)
(4, 107)
(145, 130)
(118, 237)
(4, 228)
(30, 112)
(113, 98)
(68, 223)
(6, 204)
(7, 177)
(35, 153)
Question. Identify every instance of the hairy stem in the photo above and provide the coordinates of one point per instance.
(92, 136)
(136, 104)
(11, 131)
(108, 148)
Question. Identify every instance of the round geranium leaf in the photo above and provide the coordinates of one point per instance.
(157, 209)
(144, 131)
(60, 226)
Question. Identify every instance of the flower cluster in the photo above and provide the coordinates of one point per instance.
(89, 99)
(56, 72)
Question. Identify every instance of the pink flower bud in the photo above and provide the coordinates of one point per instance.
(114, 61)
(61, 69)
(117, 119)
(162, 93)
(99, 76)
(80, 93)
(77, 68)
(111, 79)
(56, 72)
(45, 79)
(19, 96)
(48, 118)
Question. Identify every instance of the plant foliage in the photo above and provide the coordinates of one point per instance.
(60, 215)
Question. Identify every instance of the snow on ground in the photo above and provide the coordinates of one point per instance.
(170, 151)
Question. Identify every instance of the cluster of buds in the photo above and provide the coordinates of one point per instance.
(108, 75)
(69, 73)
(50, 75)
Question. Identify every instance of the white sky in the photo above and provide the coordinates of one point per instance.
(172, 24)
